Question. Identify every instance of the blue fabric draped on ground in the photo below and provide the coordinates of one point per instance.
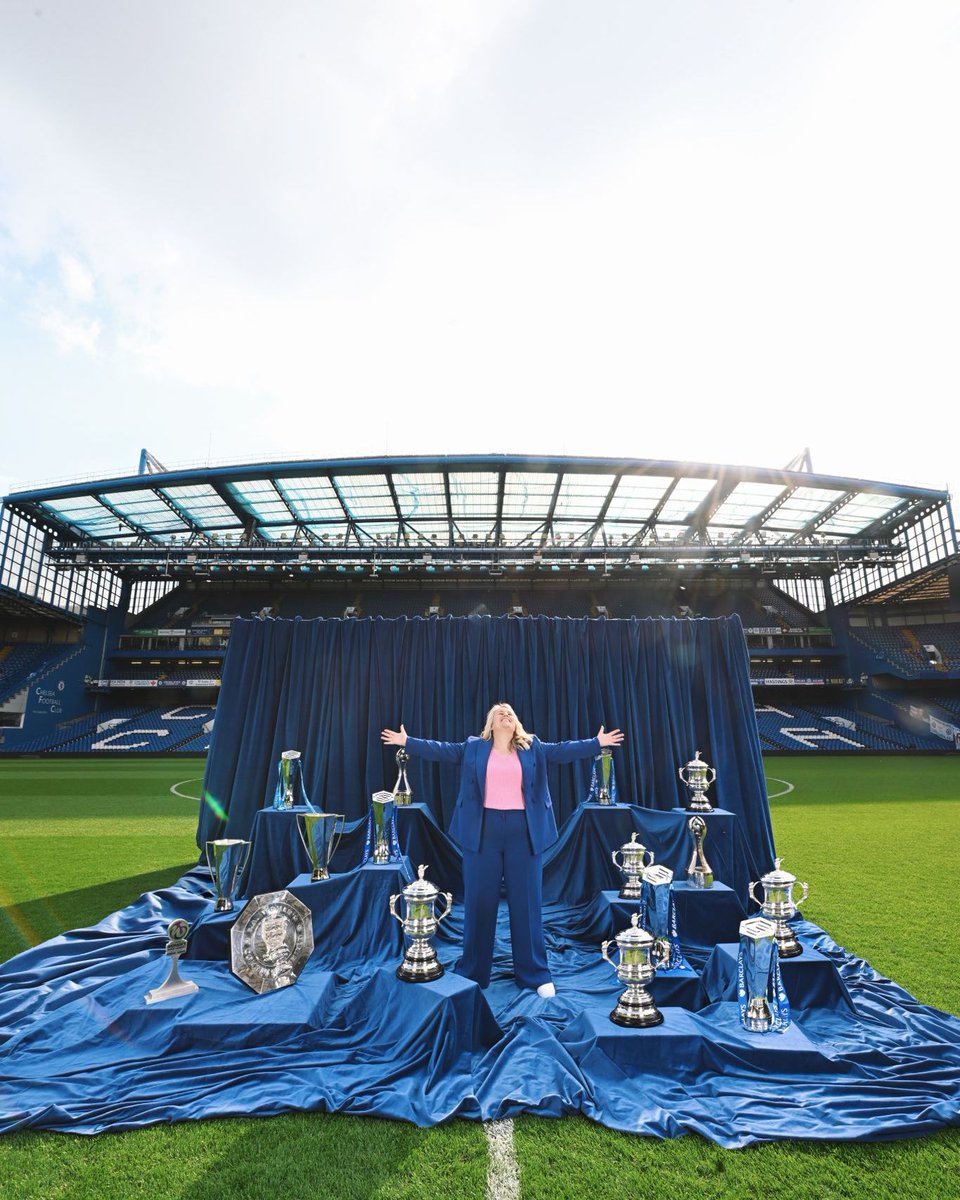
(82, 1052)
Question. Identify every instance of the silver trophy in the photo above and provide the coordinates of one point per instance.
(698, 778)
(271, 940)
(604, 795)
(320, 834)
(778, 905)
(420, 963)
(288, 763)
(758, 939)
(699, 872)
(402, 791)
(382, 845)
(658, 913)
(174, 985)
(226, 858)
(635, 1008)
(631, 865)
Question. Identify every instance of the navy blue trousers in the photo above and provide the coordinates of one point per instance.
(504, 854)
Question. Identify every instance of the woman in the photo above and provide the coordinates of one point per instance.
(503, 821)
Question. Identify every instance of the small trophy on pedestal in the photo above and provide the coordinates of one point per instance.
(226, 858)
(320, 834)
(174, 985)
(420, 963)
(402, 791)
(290, 781)
(699, 872)
(631, 866)
(635, 1007)
(778, 905)
(758, 975)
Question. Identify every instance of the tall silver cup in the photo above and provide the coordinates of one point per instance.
(320, 834)
(698, 778)
(758, 939)
(420, 920)
(226, 858)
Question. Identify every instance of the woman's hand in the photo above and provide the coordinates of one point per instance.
(390, 737)
(613, 738)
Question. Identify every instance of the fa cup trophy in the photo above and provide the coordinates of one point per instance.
(402, 791)
(174, 985)
(778, 905)
(420, 963)
(760, 992)
(699, 872)
(635, 1008)
(320, 834)
(698, 778)
(226, 858)
(631, 866)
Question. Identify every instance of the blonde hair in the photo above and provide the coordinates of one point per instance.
(521, 739)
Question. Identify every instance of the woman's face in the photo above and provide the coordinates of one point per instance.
(504, 718)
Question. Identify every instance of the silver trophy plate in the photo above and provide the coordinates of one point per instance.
(270, 941)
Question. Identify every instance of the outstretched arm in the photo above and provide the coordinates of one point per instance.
(563, 752)
(421, 747)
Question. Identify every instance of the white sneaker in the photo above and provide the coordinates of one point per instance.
(546, 990)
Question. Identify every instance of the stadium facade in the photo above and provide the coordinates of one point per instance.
(117, 595)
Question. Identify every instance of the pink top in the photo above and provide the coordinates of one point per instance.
(504, 785)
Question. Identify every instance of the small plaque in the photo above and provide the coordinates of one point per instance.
(271, 941)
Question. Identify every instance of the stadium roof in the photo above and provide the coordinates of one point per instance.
(417, 515)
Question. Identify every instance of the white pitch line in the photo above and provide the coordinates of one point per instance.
(503, 1170)
(787, 788)
(173, 789)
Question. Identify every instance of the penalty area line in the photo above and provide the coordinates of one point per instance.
(503, 1170)
(183, 795)
(787, 788)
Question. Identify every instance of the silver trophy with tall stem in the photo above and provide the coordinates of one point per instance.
(698, 778)
(699, 872)
(402, 791)
(631, 866)
(635, 1008)
(779, 905)
(226, 858)
(320, 834)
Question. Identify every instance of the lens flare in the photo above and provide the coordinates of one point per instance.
(215, 806)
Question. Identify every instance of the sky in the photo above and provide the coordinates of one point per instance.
(698, 230)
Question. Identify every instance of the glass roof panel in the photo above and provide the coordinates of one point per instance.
(85, 512)
(747, 500)
(528, 494)
(202, 504)
(863, 510)
(365, 495)
(437, 531)
(329, 534)
(474, 494)
(518, 532)
(802, 507)
(685, 497)
(421, 495)
(583, 495)
(481, 528)
(637, 496)
(312, 497)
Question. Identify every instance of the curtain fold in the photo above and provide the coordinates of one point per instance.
(327, 687)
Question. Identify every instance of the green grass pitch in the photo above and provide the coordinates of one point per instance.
(876, 838)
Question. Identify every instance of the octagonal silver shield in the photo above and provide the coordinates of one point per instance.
(271, 940)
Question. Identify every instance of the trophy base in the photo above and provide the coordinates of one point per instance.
(223, 905)
(788, 947)
(700, 879)
(319, 873)
(700, 806)
(631, 890)
(758, 1018)
(381, 853)
(170, 991)
(636, 1011)
(419, 972)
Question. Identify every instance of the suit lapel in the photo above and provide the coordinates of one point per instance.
(483, 757)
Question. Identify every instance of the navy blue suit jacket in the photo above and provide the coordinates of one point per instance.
(472, 755)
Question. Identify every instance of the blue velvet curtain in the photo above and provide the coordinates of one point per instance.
(328, 686)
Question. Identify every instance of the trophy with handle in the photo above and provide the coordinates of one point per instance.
(631, 866)
(698, 778)
(635, 1008)
(320, 834)
(420, 920)
(226, 858)
(778, 905)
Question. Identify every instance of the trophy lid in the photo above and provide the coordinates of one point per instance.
(634, 935)
(421, 889)
(658, 875)
(290, 754)
(776, 877)
(634, 843)
(696, 761)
